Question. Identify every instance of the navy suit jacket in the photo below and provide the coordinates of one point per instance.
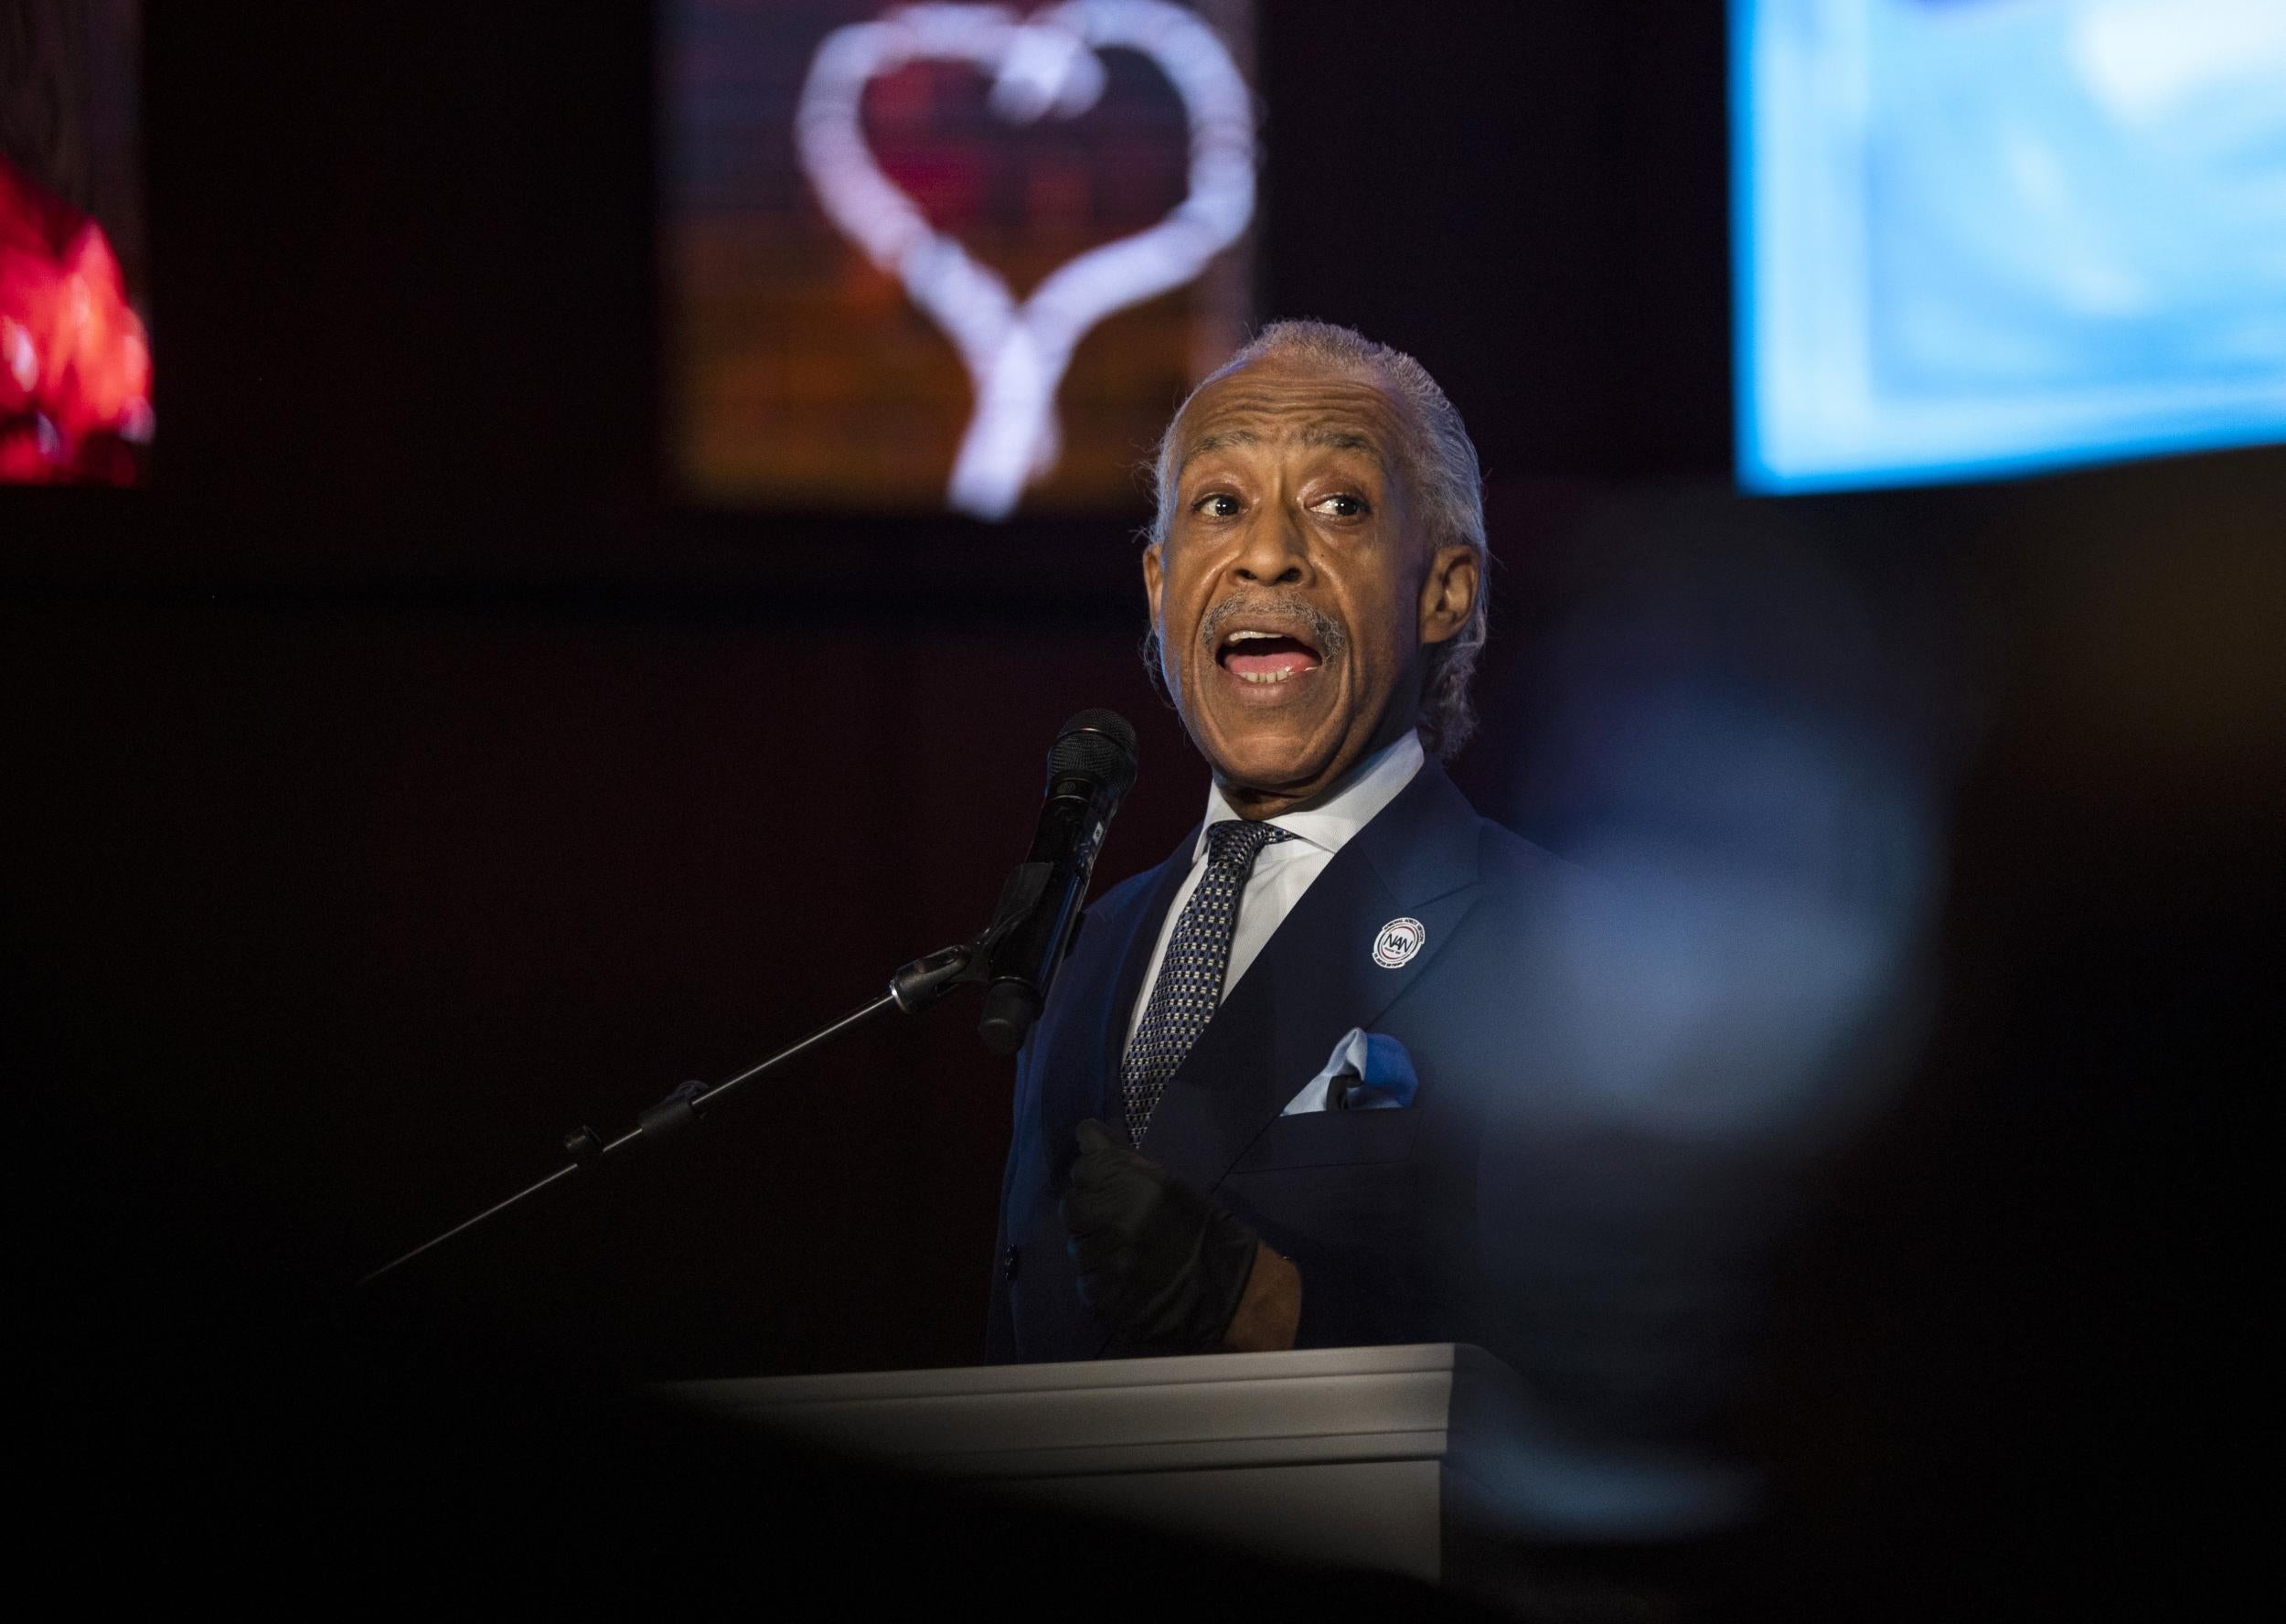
(1521, 1202)
(1380, 1210)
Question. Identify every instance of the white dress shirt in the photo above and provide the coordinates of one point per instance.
(1285, 869)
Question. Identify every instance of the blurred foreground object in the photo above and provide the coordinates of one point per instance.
(75, 367)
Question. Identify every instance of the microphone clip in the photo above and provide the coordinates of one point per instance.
(917, 986)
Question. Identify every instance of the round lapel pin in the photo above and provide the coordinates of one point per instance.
(1397, 941)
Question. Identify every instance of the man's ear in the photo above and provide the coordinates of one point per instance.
(1154, 578)
(1449, 593)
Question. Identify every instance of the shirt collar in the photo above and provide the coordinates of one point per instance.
(1330, 824)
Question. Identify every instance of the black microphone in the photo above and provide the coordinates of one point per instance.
(1090, 771)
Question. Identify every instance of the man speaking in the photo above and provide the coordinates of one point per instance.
(1254, 1111)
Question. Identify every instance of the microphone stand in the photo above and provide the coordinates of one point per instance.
(915, 987)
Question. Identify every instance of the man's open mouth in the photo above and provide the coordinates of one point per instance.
(1254, 654)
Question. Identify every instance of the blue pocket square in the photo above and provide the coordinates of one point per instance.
(1367, 1071)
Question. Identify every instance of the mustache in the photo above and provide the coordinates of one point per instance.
(1320, 630)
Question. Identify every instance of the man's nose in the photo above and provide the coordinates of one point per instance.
(1275, 551)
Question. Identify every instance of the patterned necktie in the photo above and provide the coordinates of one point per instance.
(1189, 982)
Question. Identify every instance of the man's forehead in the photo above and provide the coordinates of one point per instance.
(1282, 403)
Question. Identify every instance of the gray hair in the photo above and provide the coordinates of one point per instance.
(1438, 465)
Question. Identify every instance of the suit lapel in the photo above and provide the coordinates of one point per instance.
(1140, 935)
(1317, 976)
(1081, 1039)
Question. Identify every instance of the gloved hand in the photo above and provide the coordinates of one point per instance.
(1159, 1263)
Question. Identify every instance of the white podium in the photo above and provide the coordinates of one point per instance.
(1425, 1460)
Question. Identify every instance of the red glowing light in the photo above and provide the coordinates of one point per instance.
(75, 365)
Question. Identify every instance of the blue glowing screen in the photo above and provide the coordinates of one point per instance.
(1981, 237)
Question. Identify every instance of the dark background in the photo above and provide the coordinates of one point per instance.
(404, 779)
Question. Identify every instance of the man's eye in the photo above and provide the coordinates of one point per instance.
(1341, 506)
(1216, 505)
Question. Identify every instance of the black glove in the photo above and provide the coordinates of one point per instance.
(1159, 1263)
